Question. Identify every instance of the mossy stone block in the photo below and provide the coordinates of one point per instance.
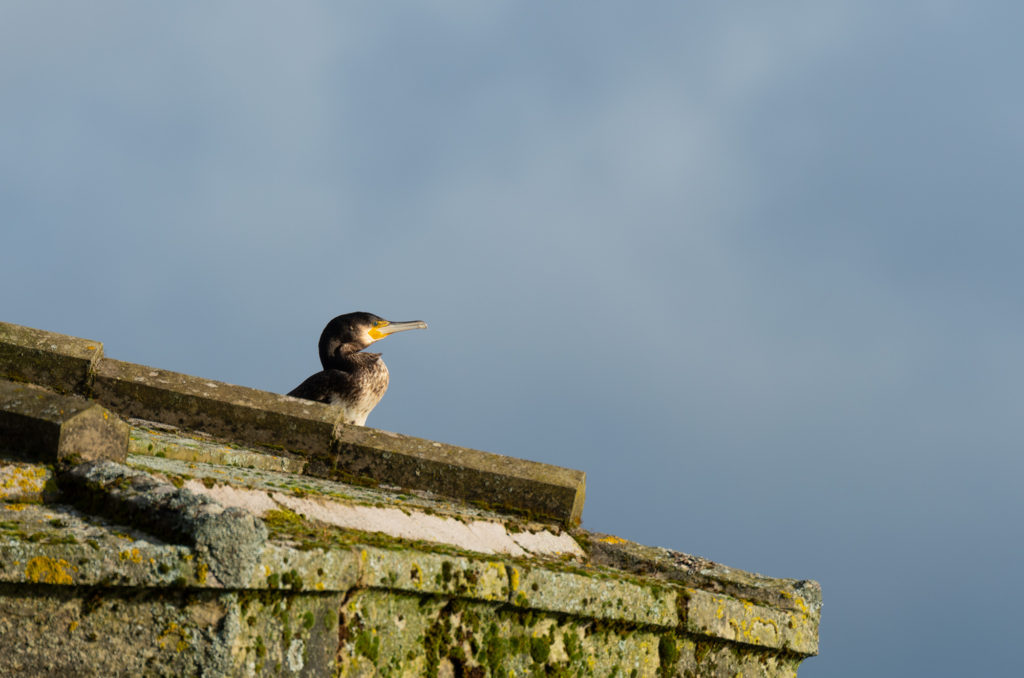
(593, 596)
(539, 490)
(241, 414)
(38, 425)
(423, 572)
(57, 361)
(727, 618)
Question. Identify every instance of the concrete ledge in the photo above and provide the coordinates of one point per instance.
(539, 490)
(238, 413)
(56, 361)
(38, 425)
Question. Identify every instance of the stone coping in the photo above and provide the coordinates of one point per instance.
(311, 430)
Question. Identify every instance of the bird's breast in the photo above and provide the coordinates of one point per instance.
(370, 382)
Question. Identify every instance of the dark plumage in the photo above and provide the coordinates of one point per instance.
(354, 380)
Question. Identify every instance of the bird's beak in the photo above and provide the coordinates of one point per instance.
(380, 332)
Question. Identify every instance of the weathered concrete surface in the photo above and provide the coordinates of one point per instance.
(36, 424)
(56, 361)
(319, 603)
(238, 413)
(231, 539)
(400, 635)
(595, 595)
(537, 489)
(25, 482)
(62, 631)
(429, 518)
(154, 440)
(727, 618)
(796, 595)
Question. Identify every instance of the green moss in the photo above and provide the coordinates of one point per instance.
(668, 655)
(495, 649)
(540, 649)
(368, 645)
(308, 620)
(292, 579)
(573, 646)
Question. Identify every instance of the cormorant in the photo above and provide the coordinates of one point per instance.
(356, 381)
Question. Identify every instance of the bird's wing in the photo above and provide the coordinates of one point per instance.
(323, 386)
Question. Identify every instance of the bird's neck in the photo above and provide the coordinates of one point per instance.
(346, 356)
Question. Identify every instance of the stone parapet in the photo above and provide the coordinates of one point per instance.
(57, 361)
(296, 429)
(238, 413)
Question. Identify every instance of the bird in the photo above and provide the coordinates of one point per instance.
(354, 380)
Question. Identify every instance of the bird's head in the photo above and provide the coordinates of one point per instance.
(353, 332)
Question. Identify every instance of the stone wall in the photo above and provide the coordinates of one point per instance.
(169, 525)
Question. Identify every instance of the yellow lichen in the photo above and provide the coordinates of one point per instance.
(174, 629)
(43, 570)
(132, 554)
(611, 539)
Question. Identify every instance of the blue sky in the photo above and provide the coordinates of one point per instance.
(754, 268)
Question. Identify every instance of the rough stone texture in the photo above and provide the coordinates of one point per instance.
(355, 610)
(173, 443)
(53, 360)
(434, 519)
(23, 482)
(726, 618)
(238, 413)
(231, 539)
(533, 488)
(295, 635)
(36, 424)
(697, 657)
(798, 595)
(435, 573)
(64, 631)
(597, 596)
(384, 633)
